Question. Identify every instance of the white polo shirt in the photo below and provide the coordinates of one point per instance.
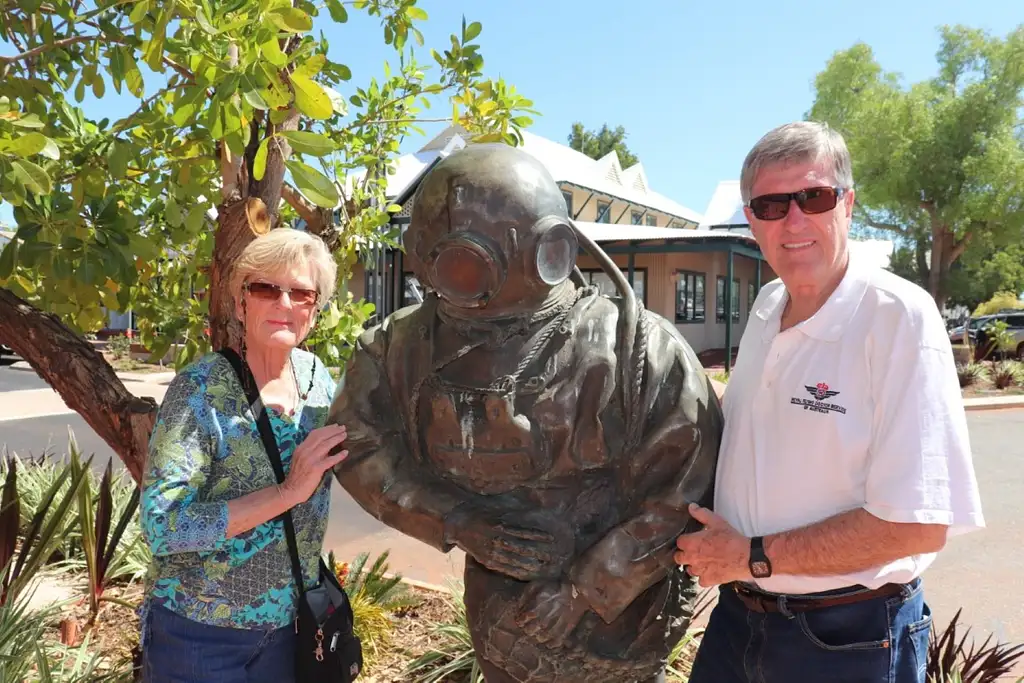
(858, 406)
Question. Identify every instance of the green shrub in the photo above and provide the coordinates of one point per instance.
(970, 373)
(1007, 374)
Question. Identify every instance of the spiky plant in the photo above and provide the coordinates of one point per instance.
(454, 657)
(951, 659)
(970, 373)
(1007, 373)
(680, 659)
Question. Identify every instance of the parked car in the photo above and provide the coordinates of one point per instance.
(984, 344)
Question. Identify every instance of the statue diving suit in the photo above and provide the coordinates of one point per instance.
(554, 434)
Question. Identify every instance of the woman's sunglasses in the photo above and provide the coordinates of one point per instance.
(266, 291)
(773, 207)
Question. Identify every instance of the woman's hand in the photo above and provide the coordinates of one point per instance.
(311, 459)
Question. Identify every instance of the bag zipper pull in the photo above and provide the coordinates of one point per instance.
(334, 641)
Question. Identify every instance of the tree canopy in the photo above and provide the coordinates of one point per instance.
(938, 165)
(596, 144)
(247, 119)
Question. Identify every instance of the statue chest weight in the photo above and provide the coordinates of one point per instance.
(477, 439)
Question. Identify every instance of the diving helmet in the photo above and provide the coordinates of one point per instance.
(490, 230)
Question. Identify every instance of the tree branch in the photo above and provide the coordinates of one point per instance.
(79, 373)
(48, 46)
(864, 217)
(306, 210)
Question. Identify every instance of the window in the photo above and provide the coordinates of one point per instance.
(412, 290)
(720, 301)
(595, 276)
(635, 216)
(689, 297)
(751, 295)
(568, 201)
(604, 212)
(652, 220)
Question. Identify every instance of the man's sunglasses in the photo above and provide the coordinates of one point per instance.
(773, 207)
(267, 291)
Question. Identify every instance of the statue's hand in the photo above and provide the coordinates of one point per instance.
(525, 547)
(549, 612)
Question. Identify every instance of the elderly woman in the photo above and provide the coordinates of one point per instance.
(221, 601)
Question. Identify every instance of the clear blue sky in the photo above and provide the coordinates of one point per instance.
(694, 83)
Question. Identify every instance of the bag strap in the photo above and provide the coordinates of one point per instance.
(270, 443)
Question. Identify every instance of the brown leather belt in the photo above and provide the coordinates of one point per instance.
(757, 601)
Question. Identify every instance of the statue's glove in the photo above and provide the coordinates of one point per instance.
(549, 611)
(523, 545)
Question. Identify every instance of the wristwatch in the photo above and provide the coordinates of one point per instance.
(760, 565)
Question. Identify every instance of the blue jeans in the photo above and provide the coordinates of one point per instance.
(878, 640)
(179, 650)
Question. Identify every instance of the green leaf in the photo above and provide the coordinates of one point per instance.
(338, 11)
(204, 22)
(7, 259)
(34, 177)
(50, 150)
(194, 220)
(117, 158)
(259, 166)
(472, 31)
(255, 100)
(311, 67)
(416, 13)
(139, 11)
(272, 52)
(316, 187)
(291, 19)
(28, 144)
(337, 101)
(311, 99)
(27, 121)
(306, 142)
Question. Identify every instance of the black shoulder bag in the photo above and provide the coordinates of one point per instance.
(327, 649)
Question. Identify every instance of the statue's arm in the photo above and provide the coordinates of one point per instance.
(380, 472)
(673, 467)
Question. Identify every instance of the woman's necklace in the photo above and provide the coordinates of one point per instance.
(301, 397)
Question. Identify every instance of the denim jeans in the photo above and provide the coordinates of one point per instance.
(179, 650)
(879, 640)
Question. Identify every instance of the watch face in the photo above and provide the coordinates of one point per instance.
(759, 569)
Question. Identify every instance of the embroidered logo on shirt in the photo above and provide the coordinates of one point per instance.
(817, 403)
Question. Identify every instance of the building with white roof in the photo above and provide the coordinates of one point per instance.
(677, 269)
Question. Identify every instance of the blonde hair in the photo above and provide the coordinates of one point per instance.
(280, 250)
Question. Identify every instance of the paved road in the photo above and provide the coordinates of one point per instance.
(980, 572)
(19, 380)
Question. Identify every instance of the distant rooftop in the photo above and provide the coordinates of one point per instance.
(566, 165)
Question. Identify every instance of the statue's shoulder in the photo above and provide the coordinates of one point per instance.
(397, 327)
(597, 324)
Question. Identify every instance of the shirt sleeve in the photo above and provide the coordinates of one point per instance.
(920, 466)
(173, 514)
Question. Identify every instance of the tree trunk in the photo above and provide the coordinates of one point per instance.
(240, 222)
(82, 377)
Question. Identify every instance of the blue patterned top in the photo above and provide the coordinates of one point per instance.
(206, 450)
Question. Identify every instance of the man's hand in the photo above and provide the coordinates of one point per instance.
(715, 555)
(549, 612)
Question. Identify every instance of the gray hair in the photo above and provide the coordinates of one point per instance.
(797, 142)
(280, 250)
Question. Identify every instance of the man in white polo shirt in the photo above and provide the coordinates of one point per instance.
(845, 463)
